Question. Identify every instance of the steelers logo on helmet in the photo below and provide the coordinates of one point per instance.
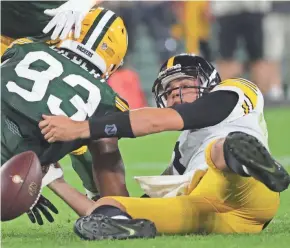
(103, 40)
(184, 65)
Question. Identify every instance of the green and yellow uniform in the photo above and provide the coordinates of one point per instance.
(38, 79)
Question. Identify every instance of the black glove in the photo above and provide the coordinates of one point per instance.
(42, 205)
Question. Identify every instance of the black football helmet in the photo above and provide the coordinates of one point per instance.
(184, 66)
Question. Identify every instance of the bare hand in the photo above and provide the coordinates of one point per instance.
(62, 128)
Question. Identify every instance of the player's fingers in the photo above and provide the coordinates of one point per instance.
(37, 216)
(46, 213)
(45, 117)
(43, 124)
(45, 130)
(57, 31)
(77, 32)
(59, 26)
(50, 12)
(78, 25)
(31, 217)
(68, 25)
(48, 204)
(51, 140)
(50, 134)
(50, 25)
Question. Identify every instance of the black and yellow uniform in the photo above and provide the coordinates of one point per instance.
(223, 202)
(226, 121)
(217, 201)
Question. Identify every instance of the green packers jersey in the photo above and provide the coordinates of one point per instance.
(25, 18)
(38, 79)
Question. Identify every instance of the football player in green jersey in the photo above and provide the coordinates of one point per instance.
(68, 80)
(38, 20)
(28, 19)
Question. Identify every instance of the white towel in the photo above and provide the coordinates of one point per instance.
(165, 186)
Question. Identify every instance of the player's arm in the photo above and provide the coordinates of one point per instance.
(206, 111)
(77, 201)
(108, 167)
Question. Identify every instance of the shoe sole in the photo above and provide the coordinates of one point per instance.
(141, 228)
(250, 152)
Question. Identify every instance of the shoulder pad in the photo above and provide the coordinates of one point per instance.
(248, 90)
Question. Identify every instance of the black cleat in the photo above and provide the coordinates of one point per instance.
(251, 153)
(99, 227)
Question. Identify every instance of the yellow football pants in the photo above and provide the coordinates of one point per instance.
(222, 202)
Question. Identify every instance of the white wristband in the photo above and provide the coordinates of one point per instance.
(51, 175)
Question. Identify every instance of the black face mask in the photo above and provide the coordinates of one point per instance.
(206, 80)
(166, 93)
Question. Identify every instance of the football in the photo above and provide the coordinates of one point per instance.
(20, 184)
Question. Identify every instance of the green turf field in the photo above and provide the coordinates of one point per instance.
(148, 156)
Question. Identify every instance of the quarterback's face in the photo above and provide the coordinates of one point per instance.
(187, 94)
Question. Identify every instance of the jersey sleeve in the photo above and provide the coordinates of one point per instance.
(121, 104)
(250, 97)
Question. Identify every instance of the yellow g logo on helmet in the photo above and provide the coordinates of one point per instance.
(103, 40)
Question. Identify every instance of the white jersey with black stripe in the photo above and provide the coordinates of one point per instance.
(247, 116)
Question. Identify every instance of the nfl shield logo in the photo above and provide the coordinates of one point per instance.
(111, 129)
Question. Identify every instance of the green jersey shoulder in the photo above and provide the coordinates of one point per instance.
(39, 79)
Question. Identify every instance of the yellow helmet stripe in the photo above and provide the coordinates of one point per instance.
(170, 62)
(95, 23)
(105, 19)
(101, 36)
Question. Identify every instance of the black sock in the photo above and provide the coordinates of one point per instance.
(112, 212)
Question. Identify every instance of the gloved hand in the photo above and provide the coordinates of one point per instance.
(43, 205)
(67, 16)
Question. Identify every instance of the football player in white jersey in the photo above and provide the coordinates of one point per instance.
(233, 181)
